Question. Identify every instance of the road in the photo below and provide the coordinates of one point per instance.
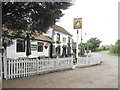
(100, 76)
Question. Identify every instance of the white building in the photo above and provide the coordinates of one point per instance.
(57, 41)
(62, 40)
(40, 46)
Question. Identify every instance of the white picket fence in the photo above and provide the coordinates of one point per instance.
(92, 59)
(28, 67)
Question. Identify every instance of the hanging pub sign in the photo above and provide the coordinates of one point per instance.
(77, 22)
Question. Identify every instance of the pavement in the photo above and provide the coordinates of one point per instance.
(104, 75)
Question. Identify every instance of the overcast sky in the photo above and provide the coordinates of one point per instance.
(99, 18)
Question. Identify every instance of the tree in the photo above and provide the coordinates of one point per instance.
(93, 43)
(32, 16)
(82, 49)
(116, 48)
(87, 46)
(118, 42)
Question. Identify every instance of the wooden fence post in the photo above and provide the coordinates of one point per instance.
(5, 64)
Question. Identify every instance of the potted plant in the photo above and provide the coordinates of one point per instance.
(46, 46)
(54, 55)
(64, 46)
(58, 41)
(59, 46)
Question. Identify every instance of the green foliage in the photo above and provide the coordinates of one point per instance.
(118, 42)
(55, 55)
(69, 51)
(115, 48)
(87, 46)
(103, 48)
(114, 54)
(32, 16)
(82, 49)
(93, 43)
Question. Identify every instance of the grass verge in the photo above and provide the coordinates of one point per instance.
(102, 50)
(114, 54)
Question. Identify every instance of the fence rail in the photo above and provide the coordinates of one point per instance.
(28, 67)
(93, 59)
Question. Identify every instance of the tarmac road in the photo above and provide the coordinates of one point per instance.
(100, 76)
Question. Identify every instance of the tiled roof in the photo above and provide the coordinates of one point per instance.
(44, 38)
(37, 36)
(60, 29)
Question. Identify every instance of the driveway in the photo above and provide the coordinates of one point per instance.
(100, 76)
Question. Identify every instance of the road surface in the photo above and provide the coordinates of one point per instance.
(100, 76)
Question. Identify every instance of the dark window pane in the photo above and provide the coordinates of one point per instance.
(20, 47)
(40, 47)
(68, 39)
(58, 37)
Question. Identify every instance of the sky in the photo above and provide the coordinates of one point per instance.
(99, 19)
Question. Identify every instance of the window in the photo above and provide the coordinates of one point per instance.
(40, 47)
(20, 47)
(58, 37)
(64, 39)
(68, 39)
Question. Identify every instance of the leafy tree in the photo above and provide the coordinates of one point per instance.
(103, 48)
(87, 46)
(115, 48)
(118, 42)
(32, 16)
(93, 43)
(82, 49)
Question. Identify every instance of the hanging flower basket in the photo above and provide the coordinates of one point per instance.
(59, 46)
(64, 46)
(46, 46)
(58, 41)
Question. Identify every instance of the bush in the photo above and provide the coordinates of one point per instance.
(115, 49)
(102, 48)
(55, 56)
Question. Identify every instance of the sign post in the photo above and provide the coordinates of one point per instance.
(77, 25)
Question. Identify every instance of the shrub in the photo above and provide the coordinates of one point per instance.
(55, 56)
(115, 49)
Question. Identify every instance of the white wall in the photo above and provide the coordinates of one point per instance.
(61, 39)
(11, 51)
(49, 33)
